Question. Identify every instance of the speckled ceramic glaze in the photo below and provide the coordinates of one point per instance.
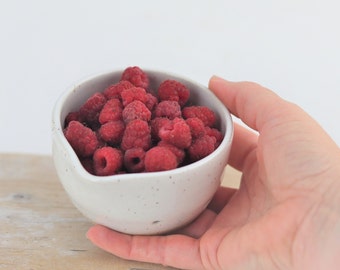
(143, 203)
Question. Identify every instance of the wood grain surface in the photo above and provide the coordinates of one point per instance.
(41, 229)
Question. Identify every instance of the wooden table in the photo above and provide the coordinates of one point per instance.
(41, 229)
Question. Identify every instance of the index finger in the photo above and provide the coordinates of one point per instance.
(251, 102)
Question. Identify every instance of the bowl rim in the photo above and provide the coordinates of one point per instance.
(57, 131)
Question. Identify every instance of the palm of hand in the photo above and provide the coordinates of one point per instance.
(256, 223)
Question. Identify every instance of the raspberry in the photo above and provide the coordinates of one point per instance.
(156, 124)
(107, 161)
(204, 113)
(173, 90)
(128, 128)
(213, 132)
(136, 110)
(134, 93)
(90, 110)
(111, 111)
(169, 109)
(114, 90)
(177, 132)
(151, 101)
(134, 160)
(101, 142)
(159, 158)
(88, 165)
(136, 76)
(112, 132)
(72, 116)
(197, 127)
(82, 139)
(179, 153)
(137, 134)
(201, 147)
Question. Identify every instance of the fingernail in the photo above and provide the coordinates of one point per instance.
(88, 233)
(218, 78)
(215, 80)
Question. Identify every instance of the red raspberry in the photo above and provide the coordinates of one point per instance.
(179, 153)
(72, 116)
(88, 165)
(159, 159)
(201, 147)
(134, 160)
(112, 132)
(101, 142)
(156, 124)
(177, 132)
(107, 161)
(114, 90)
(151, 101)
(115, 130)
(82, 139)
(204, 113)
(173, 90)
(197, 127)
(134, 93)
(136, 76)
(213, 132)
(90, 110)
(136, 110)
(111, 111)
(169, 109)
(137, 134)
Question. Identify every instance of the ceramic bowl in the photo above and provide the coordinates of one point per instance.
(140, 203)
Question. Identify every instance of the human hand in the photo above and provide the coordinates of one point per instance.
(286, 213)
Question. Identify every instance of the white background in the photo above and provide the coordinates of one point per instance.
(291, 46)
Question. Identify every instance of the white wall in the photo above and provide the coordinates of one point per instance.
(289, 46)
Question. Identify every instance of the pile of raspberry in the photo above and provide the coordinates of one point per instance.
(128, 129)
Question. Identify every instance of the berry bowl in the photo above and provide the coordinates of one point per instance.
(145, 203)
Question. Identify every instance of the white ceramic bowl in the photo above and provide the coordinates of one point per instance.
(140, 203)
